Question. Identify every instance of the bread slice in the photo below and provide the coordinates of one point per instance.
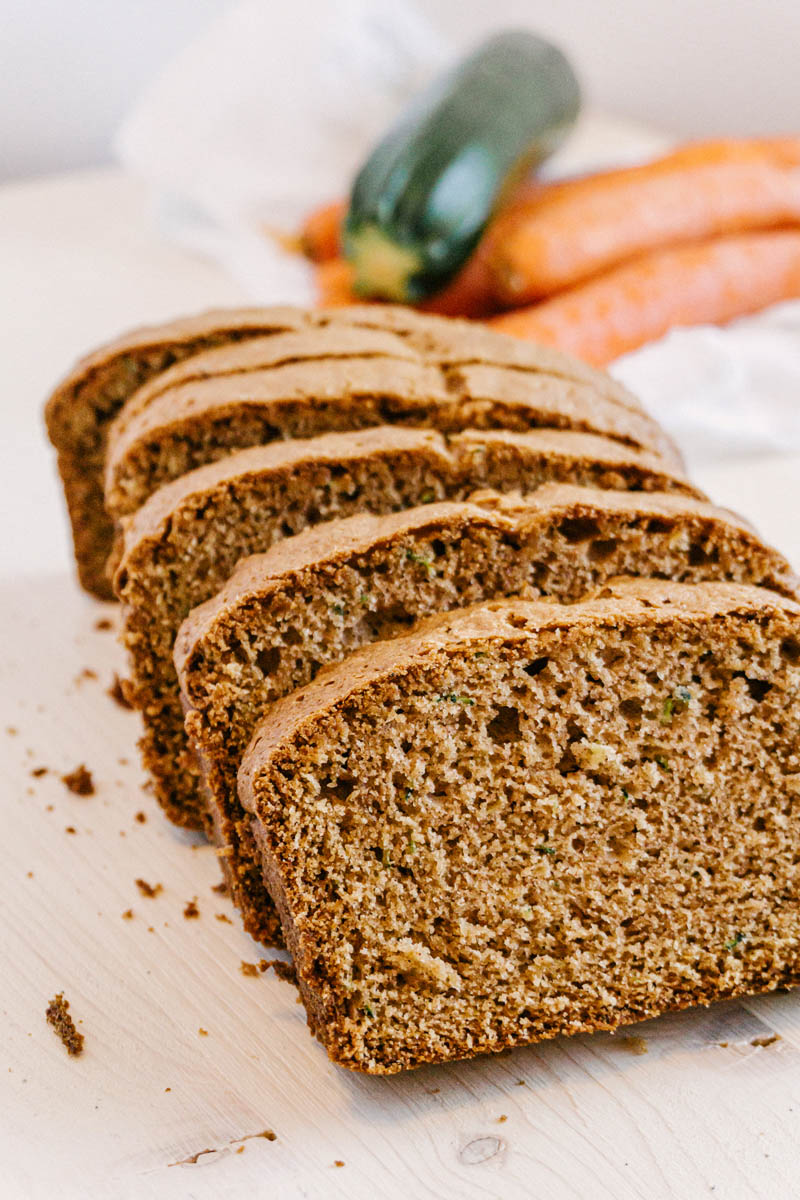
(523, 820)
(201, 421)
(314, 598)
(184, 542)
(81, 408)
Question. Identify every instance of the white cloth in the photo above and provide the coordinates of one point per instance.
(271, 110)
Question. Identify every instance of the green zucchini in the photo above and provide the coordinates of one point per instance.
(421, 201)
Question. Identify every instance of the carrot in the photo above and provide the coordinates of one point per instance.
(334, 280)
(708, 282)
(321, 232)
(779, 151)
(578, 232)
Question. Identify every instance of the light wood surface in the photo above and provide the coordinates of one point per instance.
(154, 1109)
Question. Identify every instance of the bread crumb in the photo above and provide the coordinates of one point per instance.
(118, 693)
(635, 1045)
(38, 772)
(282, 969)
(12, 730)
(223, 917)
(501, 1119)
(240, 1149)
(141, 817)
(58, 1016)
(128, 914)
(220, 888)
(79, 781)
(103, 625)
(150, 890)
(250, 969)
(86, 673)
(70, 829)
(202, 1032)
(266, 1133)
(337, 1162)
(191, 910)
(766, 1041)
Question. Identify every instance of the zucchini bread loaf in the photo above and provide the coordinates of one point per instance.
(524, 819)
(81, 408)
(184, 542)
(316, 597)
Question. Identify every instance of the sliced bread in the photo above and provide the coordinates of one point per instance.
(314, 598)
(524, 820)
(182, 545)
(81, 408)
(201, 421)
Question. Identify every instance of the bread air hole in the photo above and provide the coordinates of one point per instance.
(536, 667)
(790, 649)
(578, 529)
(504, 726)
(268, 660)
(601, 549)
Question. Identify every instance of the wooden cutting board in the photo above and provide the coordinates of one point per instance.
(188, 1061)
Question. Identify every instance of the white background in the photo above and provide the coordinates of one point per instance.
(69, 69)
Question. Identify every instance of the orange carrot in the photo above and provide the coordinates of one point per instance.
(578, 232)
(334, 280)
(779, 151)
(707, 282)
(321, 232)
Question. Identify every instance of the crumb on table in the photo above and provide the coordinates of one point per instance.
(79, 781)
(141, 817)
(150, 890)
(117, 692)
(38, 772)
(103, 625)
(634, 1045)
(58, 1016)
(191, 910)
(282, 969)
(250, 969)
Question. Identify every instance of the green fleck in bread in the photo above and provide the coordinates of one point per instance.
(523, 820)
(316, 597)
(82, 407)
(182, 545)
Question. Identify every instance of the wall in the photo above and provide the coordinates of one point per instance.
(70, 68)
